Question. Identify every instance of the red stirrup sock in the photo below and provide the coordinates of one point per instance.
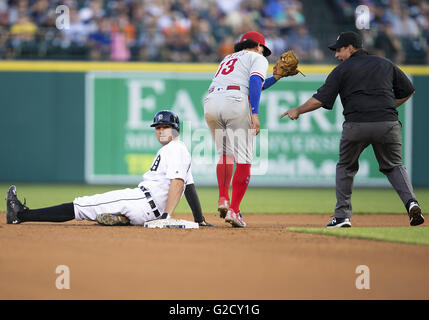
(224, 170)
(239, 184)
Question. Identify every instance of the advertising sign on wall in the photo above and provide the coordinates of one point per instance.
(120, 144)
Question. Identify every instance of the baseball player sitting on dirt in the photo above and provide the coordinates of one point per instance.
(156, 197)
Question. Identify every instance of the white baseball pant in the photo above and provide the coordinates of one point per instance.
(228, 115)
(131, 203)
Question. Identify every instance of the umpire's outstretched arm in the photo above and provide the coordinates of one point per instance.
(308, 106)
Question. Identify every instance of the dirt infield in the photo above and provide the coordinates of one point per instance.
(259, 262)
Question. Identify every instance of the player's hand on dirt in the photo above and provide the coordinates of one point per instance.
(292, 113)
(255, 124)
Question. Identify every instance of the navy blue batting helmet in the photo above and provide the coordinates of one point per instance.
(166, 117)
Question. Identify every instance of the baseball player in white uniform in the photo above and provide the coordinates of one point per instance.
(156, 197)
(231, 112)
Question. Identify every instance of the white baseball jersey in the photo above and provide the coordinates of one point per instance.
(237, 68)
(227, 111)
(172, 161)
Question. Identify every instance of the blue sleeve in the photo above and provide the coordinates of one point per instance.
(255, 88)
(269, 82)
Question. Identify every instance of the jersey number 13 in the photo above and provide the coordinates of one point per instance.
(226, 67)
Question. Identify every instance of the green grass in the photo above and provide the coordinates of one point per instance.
(409, 235)
(311, 201)
(256, 200)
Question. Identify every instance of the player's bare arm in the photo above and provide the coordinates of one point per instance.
(255, 123)
(310, 105)
(174, 194)
(401, 101)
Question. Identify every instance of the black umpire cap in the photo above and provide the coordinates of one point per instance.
(346, 38)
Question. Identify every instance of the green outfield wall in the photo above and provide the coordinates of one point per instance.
(42, 126)
(78, 122)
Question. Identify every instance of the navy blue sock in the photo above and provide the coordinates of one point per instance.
(61, 213)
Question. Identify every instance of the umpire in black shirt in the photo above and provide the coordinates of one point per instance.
(370, 88)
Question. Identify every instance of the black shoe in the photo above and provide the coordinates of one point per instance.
(13, 206)
(205, 224)
(415, 214)
(339, 223)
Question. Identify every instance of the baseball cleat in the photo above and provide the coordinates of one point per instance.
(108, 219)
(415, 214)
(222, 207)
(235, 219)
(13, 206)
(339, 223)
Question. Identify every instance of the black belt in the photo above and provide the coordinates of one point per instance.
(150, 201)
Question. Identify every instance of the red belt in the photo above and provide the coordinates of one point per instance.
(227, 88)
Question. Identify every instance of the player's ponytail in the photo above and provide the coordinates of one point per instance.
(248, 44)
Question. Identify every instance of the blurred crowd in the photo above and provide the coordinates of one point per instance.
(399, 29)
(150, 30)
(197, 30)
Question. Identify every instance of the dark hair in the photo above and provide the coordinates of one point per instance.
(248, 44)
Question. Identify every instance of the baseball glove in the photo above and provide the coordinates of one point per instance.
(287, 65)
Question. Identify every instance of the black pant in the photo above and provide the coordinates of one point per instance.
(385, 138)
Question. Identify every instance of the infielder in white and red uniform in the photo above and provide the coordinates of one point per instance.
(156, 197)
(231, 112)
